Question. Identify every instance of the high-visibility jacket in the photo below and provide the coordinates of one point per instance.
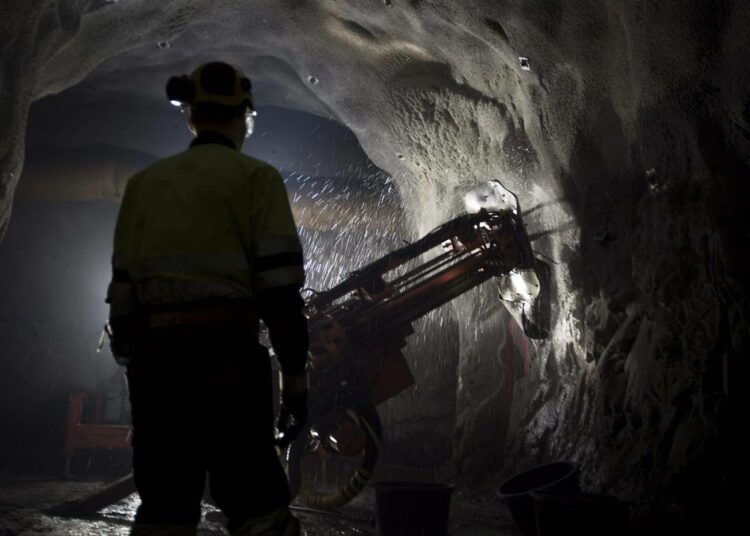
(207, 224)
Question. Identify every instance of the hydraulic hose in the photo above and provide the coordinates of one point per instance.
(362, 411)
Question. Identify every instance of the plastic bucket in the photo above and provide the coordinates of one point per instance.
(580, 514)
(516, 491)
(404, 508)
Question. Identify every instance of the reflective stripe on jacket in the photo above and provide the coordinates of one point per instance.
(208, 223)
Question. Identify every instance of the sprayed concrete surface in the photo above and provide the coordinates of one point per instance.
(24, 500)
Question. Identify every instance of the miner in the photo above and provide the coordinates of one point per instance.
(205, 246)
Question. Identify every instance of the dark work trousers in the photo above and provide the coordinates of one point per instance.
(201, 404)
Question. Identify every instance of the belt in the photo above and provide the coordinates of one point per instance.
(196, 316)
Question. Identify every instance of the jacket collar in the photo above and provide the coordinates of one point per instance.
(211, 136)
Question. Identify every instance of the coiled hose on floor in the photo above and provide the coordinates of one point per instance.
(358, 406)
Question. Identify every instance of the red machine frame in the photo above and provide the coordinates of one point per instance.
(91, 435)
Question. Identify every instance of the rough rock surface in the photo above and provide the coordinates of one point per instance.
(627, 140)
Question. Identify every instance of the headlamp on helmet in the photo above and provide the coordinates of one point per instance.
(215, 82)
(180, 90)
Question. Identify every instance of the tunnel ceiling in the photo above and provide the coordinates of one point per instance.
(435, 91)
(624, 130)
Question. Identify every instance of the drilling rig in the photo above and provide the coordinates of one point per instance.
(358, 330)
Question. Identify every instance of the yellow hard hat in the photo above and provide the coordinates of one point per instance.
(216, 82)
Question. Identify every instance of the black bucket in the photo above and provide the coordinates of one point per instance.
(404, 508)
(516, 491)
(560, 513)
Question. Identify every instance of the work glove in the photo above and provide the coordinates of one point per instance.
(126, 325)
(293, 412)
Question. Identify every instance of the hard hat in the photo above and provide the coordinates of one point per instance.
(216, 82)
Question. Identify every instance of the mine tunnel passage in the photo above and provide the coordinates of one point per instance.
(622, 127)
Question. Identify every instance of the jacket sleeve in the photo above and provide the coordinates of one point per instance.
(278, 273)
(120, 293)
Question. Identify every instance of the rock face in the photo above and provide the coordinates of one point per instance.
(625, 132)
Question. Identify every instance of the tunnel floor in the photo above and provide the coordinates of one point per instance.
(24, 500)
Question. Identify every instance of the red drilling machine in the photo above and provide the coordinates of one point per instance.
(358, 330)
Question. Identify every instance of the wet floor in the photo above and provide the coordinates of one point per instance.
(24, 501)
